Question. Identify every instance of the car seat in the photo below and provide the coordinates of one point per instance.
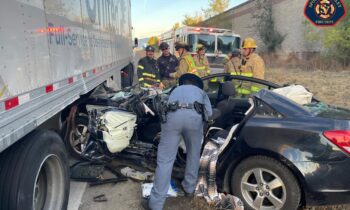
(226, 106)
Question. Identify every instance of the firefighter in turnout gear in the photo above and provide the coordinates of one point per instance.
(186, 62)
(147, 70)
(167, 64)
(252, 64)
(201, 61)
(232, 64)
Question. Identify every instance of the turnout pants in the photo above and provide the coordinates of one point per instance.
(183, 122)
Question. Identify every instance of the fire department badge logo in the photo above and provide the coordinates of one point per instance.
(325, 12)
(325, 9)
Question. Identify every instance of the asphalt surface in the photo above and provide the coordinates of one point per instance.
(123, 196)
(127, 195)
(120, 196)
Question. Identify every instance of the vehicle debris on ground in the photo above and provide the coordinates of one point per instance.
(87, 171)
(137, 175)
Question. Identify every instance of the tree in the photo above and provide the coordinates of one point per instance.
(192, 20)
(265, 26)
(336, 39)
(216, 7)
(176, 26)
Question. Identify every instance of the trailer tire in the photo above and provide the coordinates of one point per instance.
(34, 173)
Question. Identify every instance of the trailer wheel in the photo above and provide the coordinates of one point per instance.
(34, 173)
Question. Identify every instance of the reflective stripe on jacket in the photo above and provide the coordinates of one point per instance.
(202, 65)
(148, 72)
(246, 87)
(186, 65)
(191, 64)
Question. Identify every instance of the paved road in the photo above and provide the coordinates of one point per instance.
(122, 196)
(77, 190)
(127, 195)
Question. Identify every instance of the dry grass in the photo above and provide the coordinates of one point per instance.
(332, 87)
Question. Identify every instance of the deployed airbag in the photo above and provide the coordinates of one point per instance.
(118, 129)
(296, 93)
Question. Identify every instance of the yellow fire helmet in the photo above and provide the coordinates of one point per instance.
(324, 2)
(200, 47)
(153, 40)
(249, 43)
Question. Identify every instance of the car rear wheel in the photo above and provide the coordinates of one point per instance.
(264, 183)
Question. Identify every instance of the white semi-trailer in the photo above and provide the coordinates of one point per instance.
(51, 53)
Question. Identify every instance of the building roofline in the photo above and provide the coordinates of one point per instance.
(228, 11)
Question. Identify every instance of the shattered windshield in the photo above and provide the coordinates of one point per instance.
(321, 109)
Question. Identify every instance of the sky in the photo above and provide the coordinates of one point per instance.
(153, 17)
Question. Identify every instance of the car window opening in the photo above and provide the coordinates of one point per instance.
(222, 135)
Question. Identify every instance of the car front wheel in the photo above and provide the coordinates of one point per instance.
(265, 183)
(76, 139)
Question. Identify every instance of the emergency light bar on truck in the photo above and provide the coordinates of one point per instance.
(208, 30)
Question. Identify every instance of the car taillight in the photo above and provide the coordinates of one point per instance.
(341, 138)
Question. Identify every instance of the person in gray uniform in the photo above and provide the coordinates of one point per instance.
(187, 105)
